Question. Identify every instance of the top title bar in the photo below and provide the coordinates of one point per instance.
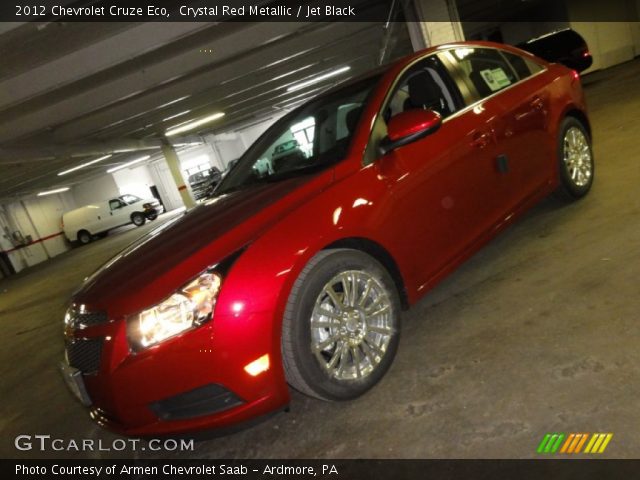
(312, 11)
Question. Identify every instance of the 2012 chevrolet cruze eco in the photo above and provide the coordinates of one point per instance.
(296, 272)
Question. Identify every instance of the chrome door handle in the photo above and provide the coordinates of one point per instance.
(537, 103)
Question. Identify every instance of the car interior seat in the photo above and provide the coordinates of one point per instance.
(425, 93)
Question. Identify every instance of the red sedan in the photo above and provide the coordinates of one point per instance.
(295, 274)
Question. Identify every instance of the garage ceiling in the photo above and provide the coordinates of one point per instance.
(70, 92)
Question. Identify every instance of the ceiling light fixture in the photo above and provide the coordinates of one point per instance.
(193, 124)
(170, 117)
(172, 102)
(128, 164)
(64, 172)
(187, 144)
(318, 79)
(51, 192)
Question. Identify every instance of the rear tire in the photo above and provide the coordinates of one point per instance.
(152, 217)
(341, 325)
(84, 237)
(138, 219)
(575, 160)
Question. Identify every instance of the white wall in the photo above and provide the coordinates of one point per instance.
(101, 188)
(135, 181)
(163, 180)
(37, 217)
(610, 43)
(225, 147)
(447, 30)
(250, 134)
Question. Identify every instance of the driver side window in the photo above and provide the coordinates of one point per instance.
(115, 204)
(425, 85)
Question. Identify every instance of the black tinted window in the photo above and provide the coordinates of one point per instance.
(308, 139)
(426, 85)
(519, 65)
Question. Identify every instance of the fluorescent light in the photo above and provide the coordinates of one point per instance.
(193, 124)
(172, 102)
(128, 164)
(51, 192)
(64, 172)
(176, 115)
(187, 144)
(318, 79)
(462, 53)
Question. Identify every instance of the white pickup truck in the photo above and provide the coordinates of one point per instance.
(83, 223)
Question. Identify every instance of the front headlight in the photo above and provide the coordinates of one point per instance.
(189, 307)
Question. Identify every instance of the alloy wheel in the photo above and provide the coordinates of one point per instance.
(578, 159)
(351, 325)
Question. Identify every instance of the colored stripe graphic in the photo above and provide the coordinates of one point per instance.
(598, 443)
(574, 442)
(550, 443)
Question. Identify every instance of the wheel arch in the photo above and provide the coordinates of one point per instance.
(580, 116)
(382, 255)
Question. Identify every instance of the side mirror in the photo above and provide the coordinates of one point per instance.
(408, 127)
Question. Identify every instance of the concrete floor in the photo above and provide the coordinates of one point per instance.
(537, 333)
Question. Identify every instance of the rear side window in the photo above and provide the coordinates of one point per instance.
(485, 68)
(523, 66)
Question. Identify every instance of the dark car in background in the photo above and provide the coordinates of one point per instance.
(203, 183)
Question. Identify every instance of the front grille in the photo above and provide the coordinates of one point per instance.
(85, 354)
(78, 319)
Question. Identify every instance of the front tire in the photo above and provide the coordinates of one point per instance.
(341, 325)
(138, 219)
(575, 160)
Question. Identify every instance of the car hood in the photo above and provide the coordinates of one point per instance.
(170, 255)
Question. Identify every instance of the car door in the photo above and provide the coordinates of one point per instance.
(526, 142)
(519, 130)
(117, 214)
(444, 185)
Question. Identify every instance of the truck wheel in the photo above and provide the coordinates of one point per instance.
(84, 237)
(138, 219)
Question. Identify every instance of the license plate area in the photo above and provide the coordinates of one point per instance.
(73, 378)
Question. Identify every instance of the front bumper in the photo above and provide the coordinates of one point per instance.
(153, 211)
(194, 381)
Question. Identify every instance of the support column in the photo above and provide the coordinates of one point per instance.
(173, 162)
(425, 33)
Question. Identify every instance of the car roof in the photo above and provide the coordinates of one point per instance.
(408, 59)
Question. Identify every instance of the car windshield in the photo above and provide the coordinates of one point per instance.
(307, 140)
(129, 199)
